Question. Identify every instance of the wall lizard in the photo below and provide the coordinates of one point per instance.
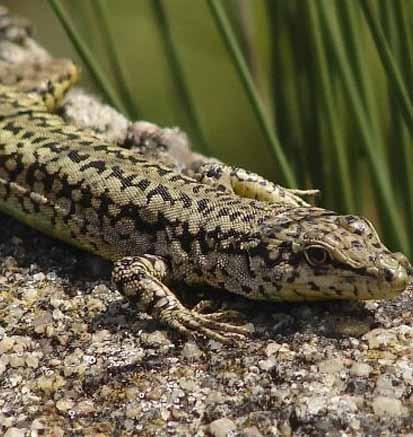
(162, 228)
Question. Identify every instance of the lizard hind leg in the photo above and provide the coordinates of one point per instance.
(247, 184)
(140, 279)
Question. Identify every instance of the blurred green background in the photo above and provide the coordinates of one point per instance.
(331, 81)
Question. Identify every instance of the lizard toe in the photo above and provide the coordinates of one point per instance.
(189, 323)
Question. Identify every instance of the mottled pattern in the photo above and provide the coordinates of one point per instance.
(161, 227)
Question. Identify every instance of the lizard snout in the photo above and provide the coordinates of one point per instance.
(395, 270)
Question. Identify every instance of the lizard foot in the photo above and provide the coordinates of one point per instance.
(189, 322)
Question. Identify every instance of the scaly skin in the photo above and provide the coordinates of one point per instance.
(160, 227)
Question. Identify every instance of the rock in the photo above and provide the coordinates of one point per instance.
(85, 408)
(133, 412)
(6, 344)
(64, 405)
(51, 276)
(215, 397)
(156, 339)
(252, 431)
(155, 394)
(389, 386)
(272, 348)
(384, 406)
(380, 338)
(17, 360)
(267, 364)
(191, 352)
(37, 425)
(2, 367)
(50, 384)
(331, 366)
(222, 427)
(360, 369)
(38, 277)
(188, 384)
(15, 432)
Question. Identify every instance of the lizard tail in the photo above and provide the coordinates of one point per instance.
(49, 80)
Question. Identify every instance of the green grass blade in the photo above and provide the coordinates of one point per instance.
(350, 21)
(401, 148)
(280, 71)
(389, 64)
(232, 45)
(330, 111)
(352, 33)
(402, 14)
(391, 219)
(97, 73)
(178, 75)
(112, 53)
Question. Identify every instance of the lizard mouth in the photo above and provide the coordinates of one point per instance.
(384, 283)
(388, 283)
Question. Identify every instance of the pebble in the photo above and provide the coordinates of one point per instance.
(272, 348)
(155, 394)
(6, 344)
(16, 360)
(388, 386)
(51, 276)
(30, 294)
(64, 405)
(215, 397)
(188, 384)
(133, 412)
(2, 368)
(332, 366)
(50, 384)
(38, 277)
(360, 369)
(380, 338)
(191, 352)
(252, 431)
(156, 338)
(384, 406)
(267, 364)
(15, 432)
(222, 427)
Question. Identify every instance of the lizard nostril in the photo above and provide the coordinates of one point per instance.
(388, 275)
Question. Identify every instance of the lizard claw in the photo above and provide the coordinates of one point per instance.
(188, 322)
(208, 305)
(224, 315)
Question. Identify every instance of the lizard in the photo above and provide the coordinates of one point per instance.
(161, 228)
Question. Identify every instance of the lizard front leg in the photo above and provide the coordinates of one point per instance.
(140, 280)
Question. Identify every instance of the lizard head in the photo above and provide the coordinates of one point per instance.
(314, 254)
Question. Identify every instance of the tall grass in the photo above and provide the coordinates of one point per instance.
(328, 83)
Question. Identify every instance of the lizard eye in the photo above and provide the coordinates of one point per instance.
(316, 255)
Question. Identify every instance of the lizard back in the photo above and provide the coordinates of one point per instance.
(66, 182)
